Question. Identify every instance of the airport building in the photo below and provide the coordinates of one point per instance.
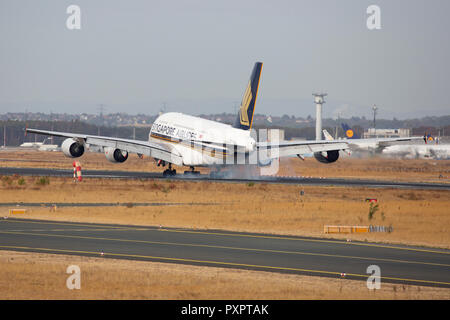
(386, 133)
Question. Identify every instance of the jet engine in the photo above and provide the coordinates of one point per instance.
(115, 155)
(327, 157)
(72, 148)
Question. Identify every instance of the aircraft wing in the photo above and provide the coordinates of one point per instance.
(378, 143)
(383, 140)
(155, 150)
(290, 148)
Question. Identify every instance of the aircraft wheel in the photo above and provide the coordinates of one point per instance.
(169, 173)
(194, 173)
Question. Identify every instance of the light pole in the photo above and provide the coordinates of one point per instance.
(374, 108)
(101, 108)
(337, 125)
(319, 101)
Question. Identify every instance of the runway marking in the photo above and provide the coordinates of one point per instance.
(78, 230)
(311, 240)
(229, 248)
(108, 204)
(154, 228)
(222, 263)
(80, 224)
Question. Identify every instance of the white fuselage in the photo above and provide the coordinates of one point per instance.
(40, 146)
(49, 147)
(441, 151)
(200, 142)
(31, 144)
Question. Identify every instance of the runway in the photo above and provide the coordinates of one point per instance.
(215, 248)
(203, 177)
(104, 204)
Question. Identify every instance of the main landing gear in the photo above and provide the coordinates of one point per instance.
(172, 172)
(192, 172)
(169, 172)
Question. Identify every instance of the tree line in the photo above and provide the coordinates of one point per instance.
(14, 131)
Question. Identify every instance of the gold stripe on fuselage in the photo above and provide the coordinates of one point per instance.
(213, 152)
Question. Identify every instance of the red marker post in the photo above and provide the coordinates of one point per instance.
(76, 171)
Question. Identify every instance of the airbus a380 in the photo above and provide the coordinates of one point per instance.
(184, 140)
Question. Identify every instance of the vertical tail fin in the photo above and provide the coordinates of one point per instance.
(327, 136)
(245, 116)
(349, 133)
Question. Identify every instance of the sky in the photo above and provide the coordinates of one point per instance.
(196, 56)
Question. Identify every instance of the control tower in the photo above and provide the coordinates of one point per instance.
(319, 100)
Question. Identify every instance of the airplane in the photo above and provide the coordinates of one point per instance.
(437, 152)
(372, 145)
(349, 133)
(184, 140)
(31, 144)
(49, 147)
(40, 146)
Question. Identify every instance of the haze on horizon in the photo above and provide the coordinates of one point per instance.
(196, 57)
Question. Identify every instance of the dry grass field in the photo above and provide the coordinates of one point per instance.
(418, 217)
(43, 276)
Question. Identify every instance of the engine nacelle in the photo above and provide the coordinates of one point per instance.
(327, 157)
(115, 155)
(72, 148)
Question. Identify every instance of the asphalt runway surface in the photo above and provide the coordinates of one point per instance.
(262, 252)
(203, 177)
(104, 204)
